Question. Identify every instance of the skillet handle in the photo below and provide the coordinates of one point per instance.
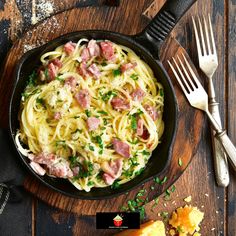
(163, 23)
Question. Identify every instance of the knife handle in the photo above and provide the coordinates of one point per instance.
(220, 158)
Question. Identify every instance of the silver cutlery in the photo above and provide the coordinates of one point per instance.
(208, 62)
(198, 98)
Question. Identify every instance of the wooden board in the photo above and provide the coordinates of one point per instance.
(190, 120)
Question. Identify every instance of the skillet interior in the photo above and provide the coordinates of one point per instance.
(161, 155)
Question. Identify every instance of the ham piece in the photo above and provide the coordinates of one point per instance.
(85, 56)
(56, 166)
(52, 71)
(128, 66)
(107, 50)
(56, 62)
(71, 82)
(121, 148)
(93, 123)
(140, 127)
(120, 104)
(93, 69)
(138, 94)
(151, 111)
(57, 115)
(69, 48)
(93, 48)
(83, 98)
(113, 170)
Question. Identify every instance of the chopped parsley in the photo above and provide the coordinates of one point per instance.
(103, 112)
(40, 101)
(91, 148)
(116, 72)
(88, 113)
(134, 76)
(157, 180)
(161, 92)
(104, 63)
(164, 215)
(76, 117)
(61, 143)
(164, 180)
(60, 79)
(139, 171)
(90, 183)
(115, 185)
(133, 122)
(46, 73)
(73, 161)
(146, 153)
(32, 79)
(180, 162)
(106, 96)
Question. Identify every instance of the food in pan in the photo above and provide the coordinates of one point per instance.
(91, 113)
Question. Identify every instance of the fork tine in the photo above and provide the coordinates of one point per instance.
(178, 78)
(186, 73)
(207, 35)
(192, 72)
(197, 37)
(202, 36)
(212, 35)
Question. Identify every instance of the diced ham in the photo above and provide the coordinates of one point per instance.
(37, 168)
(56, 62)
(93, 69)
(94, 49)
(113, 170)
(93, 123)
(145, 135)
(75, 170)
(128, 66)
(52, 71)
(85, 56)
(82, 69)
(121, 148)
(69, 48)
(120, 104)
(140, 127)
(57, 115)
(151, 111)
(107, 50)
(44, 158)
(138, 94)
(83, 98)
(108, 179)
(71, 82)
(60, 169)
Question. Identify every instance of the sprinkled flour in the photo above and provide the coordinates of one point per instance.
(41, 9)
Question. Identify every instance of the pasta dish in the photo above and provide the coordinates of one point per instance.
(91, 113)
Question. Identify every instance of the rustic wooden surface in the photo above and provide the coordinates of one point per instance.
(198, 180)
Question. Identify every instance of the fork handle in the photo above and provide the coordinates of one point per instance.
(224, 140)
(220, 157)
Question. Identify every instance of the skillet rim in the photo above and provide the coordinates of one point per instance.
(64, 38)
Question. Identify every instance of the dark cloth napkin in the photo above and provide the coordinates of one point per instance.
(12, 172)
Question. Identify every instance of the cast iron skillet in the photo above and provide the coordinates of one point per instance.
(146, 45)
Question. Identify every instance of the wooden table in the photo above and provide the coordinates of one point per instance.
(219, 205)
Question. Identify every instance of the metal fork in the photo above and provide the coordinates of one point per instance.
(198, 98)
(208, 63)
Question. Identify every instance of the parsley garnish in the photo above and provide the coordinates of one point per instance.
(46, 73)
(133, 122)
(146, 153)
(91, 148)
(105, 97)
(103, 112)
(116, 72)
(90, 183)
(61, 143)
(134, 76)
(139, 171)
(32, 79)
(88, 113)
(115, 185)
(180, 162)
(40, 101)
(104, 63)
(161, 92)
(60, 79)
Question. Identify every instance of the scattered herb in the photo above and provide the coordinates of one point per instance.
(139, 112)
(99, 141)
(105, 97)
(133, 122)
(104, 63)
(91, 148)
(156, 200)
(161, 92)
(76, 117)
(31, 82)
(88, 113)
(134, 76)
(164, 180)
(40, 101)
(90, 183)
(46, 73)
(103, 112)
(179, 229)
(144, 152)
(116, 72)
(60, 79)
(152, 187)
(173, 188)
(73, 161)
(105, 121)
(61, 143)
(100, 152)
(167, 195)
(164, 215)
(180, 162)
(139, 171)
(115, 185)
(157, 180)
